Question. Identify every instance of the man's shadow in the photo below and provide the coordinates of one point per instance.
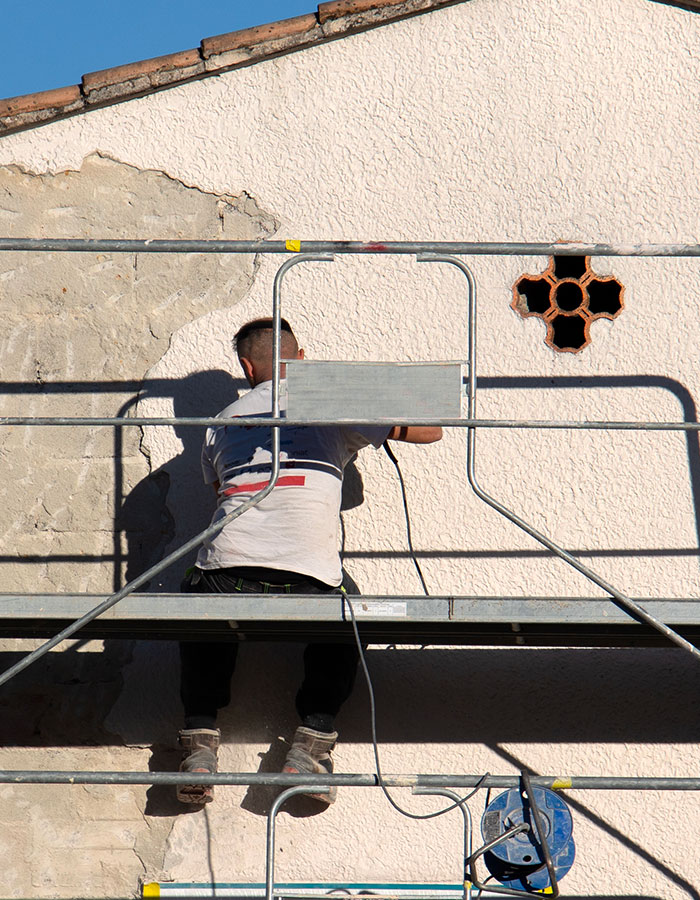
(150, 518)
(172, 504)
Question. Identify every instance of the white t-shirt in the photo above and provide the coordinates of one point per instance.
(294, 528)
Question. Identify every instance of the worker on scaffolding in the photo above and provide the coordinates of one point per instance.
(287, 543)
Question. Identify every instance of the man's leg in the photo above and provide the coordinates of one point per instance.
(329, 677)
(206, 669)
(205, 677)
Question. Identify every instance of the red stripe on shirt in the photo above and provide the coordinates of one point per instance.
(284, 480)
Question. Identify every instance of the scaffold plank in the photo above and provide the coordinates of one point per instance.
(537, 621)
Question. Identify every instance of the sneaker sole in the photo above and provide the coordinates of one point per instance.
(196, 793)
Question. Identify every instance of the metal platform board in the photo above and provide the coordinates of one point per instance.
(447, 619)
(241, 890)
(309, 891)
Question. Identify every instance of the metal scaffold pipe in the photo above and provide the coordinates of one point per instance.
(460, 248)
(248, 421)
(553, 782)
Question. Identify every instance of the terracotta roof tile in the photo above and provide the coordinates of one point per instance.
(337, 8)
(341, 17)
(138, 77)
(262, 42)
(248, 38)
(28, 103)
(130, 71)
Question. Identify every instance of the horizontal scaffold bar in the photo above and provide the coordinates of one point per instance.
(237, 609)
(279, 779)
(436, 621)
(247, 421)
(460, 248)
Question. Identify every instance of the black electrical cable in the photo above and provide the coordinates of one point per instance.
(368, 678)
(375, 744)
(392, 457)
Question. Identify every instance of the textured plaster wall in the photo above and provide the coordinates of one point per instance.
(488, 120)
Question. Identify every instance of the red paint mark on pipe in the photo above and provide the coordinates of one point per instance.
(373, 245)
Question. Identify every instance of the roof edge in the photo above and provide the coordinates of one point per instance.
(215, 55)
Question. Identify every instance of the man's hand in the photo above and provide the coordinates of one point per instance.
(416, 434)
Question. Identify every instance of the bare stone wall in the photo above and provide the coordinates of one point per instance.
(80, 332)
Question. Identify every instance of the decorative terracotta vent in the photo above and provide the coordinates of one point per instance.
(569, 296)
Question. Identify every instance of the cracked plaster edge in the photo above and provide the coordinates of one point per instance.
(275, 226)
(145, 445)
(268, 222)
(22, 169)
(235, 201)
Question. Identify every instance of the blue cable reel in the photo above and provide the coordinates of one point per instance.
(519, 861)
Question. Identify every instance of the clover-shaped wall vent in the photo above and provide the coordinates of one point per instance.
(568, 296)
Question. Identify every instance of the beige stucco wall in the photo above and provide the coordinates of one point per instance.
(490, 120)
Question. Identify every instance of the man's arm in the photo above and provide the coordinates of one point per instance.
(416, 434)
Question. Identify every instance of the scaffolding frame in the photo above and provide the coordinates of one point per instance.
(323, 251)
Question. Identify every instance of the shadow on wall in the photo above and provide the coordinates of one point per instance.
(692, 442)
(65, 698)
(431, 695)
(145, 516)
(674, 387)
(629, 842)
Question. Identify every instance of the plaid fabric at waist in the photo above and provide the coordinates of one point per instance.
(228, 581)
(247, 585)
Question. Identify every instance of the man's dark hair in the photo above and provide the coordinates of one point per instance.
(255, 337)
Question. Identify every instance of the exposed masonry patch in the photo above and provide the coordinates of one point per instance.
(569, 297)
(79, 333)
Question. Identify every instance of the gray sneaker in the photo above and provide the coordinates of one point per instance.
(310, 753)
(199, 747)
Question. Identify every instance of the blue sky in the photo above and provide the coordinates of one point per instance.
(52, 43)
